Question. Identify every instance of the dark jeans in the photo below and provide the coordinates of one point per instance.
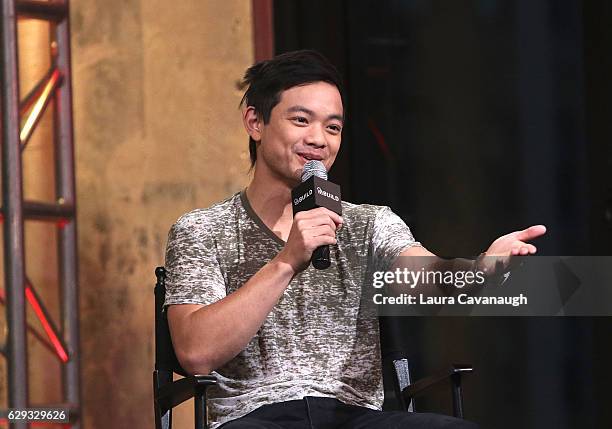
(329, 413)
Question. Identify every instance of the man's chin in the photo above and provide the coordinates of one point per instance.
(297, 176)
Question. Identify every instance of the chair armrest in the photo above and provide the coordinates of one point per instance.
(419, 386)
(172, 394)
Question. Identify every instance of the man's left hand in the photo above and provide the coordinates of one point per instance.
(513, 244)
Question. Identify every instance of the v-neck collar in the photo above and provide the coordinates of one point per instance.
(251, 213)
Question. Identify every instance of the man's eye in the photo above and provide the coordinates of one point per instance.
(300, 119)
(335, 128)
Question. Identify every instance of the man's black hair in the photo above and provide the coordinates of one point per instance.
(268, 79)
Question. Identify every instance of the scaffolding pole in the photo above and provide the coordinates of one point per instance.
(12, 196)
(65, 190)
(55, 86)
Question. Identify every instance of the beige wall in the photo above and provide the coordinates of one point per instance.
(157, 132)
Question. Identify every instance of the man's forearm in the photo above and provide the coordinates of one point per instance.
(210, 336)
(430, 273)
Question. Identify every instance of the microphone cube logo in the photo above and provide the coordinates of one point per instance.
(316, 192)
(297, 201)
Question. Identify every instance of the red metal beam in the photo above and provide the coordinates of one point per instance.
(33, 331)
(46, 322)
(263, 29)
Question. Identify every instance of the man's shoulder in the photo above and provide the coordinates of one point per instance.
(361, 211)
(204, 217)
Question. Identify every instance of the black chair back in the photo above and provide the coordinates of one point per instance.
(165, 358)
(166, 363)
(397, 363)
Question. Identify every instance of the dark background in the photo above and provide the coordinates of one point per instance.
(471, 119)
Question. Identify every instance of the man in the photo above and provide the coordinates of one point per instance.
(292, 347)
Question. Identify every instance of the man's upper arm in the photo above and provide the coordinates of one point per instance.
(178, 323)
(193, 272)
(391, 238)
(416, 251)
(193, 279)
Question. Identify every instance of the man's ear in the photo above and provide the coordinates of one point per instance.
(252, 123)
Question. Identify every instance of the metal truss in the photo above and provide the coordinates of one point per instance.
(19, 119)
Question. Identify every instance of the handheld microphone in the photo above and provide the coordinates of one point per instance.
(316, 191)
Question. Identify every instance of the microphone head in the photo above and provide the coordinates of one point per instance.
(314, 168)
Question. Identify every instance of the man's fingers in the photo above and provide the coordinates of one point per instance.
(322, 235)
(322, 240)
(523, 249)
(320, 211)
(314, 222)
(531, 233)
(335, 217)
(322, 230)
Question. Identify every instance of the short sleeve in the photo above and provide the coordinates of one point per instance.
(390, 237)
(193, 274)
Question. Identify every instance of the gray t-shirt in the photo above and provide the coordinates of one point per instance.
(322, 337)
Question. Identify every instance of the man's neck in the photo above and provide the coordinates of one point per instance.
(271, 201)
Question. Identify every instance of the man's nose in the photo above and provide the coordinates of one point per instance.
(316, 136)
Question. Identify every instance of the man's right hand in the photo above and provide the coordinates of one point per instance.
(310, 229)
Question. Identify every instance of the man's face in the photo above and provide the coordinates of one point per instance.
(306, 124)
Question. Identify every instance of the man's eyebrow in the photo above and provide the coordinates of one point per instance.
(303, 109)
(337, 117)
(298, 108)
